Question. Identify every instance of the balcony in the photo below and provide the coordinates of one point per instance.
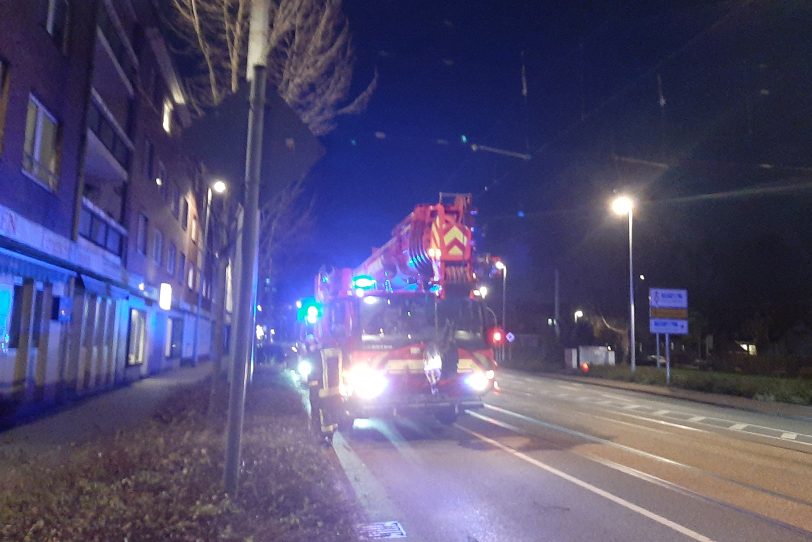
(100, 229)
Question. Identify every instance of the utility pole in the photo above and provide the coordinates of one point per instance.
(246, 317)
(557, 309)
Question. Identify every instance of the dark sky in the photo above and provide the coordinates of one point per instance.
(735, 77)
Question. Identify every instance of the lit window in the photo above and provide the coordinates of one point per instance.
(190, 277)
(136, 345)
(141, 237)
(193, 229)
(166, 121)
(41, 156)
(57, 21)
(158, 248)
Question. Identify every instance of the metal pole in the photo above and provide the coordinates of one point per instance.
(204, 250)
(657, 335)
(504, 309)
(556, 312)
(246, 317)
(633, 345)
(667, 360)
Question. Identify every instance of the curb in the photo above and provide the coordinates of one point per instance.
(786, 410)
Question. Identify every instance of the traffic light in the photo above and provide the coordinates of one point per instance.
(310, 311)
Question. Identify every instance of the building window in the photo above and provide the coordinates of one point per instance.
(170, 259)
(184, 213)
(190, 277)
(181, 267)
(161, 180)
(57, 22)
(158, 247)
(141, 238)
(41, 155)
(174, 338)
(137, 342)
(166, 117)
(99, 231)
(149, 163)
(174, 198)
(193, 230)
(100, 125)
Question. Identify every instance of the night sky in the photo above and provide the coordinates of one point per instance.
(671, 103)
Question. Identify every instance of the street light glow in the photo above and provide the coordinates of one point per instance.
(578, 314)
(622, 205)
(483, 291)
(219, 187)
(500, 265)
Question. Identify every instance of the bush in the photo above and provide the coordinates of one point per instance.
(163, 481)
(764, 388)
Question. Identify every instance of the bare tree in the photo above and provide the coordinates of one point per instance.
(285, 220)
(310, 55)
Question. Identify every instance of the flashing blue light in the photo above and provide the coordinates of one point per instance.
(364, 282)
(520, 214)
(435, 289)
(464, 138)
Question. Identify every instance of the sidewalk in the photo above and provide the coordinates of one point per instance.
(777, 409)
(100, 415)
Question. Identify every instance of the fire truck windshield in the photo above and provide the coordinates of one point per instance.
(402, 319)
(397, 318)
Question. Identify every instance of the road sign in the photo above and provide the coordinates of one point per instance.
(667, 298)
(668, 311)
(510, 337)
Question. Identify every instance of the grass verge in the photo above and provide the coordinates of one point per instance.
(764, 388)
(163, 481)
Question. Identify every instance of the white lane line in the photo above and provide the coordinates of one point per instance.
(661, 422)
(571, 388)
(605, 402)
(631, 407)
(661, 412)
(593, 489)
(696, 418)
(738, 426)
(789, 436)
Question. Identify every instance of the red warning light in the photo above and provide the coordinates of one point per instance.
(584, 367)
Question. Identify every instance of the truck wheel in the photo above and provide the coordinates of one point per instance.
(447, 417)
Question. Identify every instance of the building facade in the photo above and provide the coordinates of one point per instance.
(101, 210)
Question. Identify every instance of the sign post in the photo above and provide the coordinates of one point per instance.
(668, 314)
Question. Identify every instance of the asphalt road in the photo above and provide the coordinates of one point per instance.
(551, 460)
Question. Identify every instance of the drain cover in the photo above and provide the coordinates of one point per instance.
(381, 530)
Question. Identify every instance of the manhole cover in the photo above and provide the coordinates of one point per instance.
(382, 530)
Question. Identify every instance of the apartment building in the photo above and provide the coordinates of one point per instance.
(101, 210)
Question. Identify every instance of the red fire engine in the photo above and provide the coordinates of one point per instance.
(404, 332)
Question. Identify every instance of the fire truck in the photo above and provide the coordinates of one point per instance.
(405, 332)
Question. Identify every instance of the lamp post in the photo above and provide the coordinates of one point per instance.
(219, 187)
(578, 314)
(624, 205)
(500, 265)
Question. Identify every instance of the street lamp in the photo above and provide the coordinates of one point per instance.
(500, 265)
(219, 187)
(483, 291)
(578, 314)
(624, 205)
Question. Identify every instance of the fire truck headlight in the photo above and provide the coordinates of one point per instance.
(366, 383)
(304, 369)
(478, 381)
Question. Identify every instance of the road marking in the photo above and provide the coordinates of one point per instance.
(661, 412)
(661, 422)
(789, 436)
(738, 426)
(629, 449)
(696, 418)
(592, 489)
(631, 407)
